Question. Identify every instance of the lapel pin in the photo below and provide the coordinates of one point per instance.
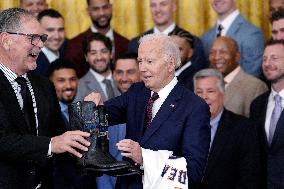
(172, 105)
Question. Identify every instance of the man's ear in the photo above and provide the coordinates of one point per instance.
(5, 40)
(172, 65)
(190, 53)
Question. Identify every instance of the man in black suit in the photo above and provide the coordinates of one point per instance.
(184, 40)
(233, 159)
(266, 111)
(53, 24)
(31, 126)
(163, 17)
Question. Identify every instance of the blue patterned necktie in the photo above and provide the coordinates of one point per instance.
(275, 117)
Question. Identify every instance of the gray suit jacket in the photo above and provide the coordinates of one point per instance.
(88, 83)
(241, 91)
(250, 41)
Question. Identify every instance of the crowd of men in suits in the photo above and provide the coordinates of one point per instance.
(217, 101)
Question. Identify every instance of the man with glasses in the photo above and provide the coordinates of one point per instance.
(31, 125)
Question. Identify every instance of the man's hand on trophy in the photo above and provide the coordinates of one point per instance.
(94, 97)
(131, 149)
(70, 141)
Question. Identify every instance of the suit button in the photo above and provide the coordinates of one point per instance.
(33, 173)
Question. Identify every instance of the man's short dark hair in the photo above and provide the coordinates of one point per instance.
(275, 42)
(96, 37)
(59, 64)
(277, 15)
(50, 13)
(88, 2)
(126, 55)
(184, 34)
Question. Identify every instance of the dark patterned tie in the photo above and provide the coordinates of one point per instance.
(151, 101)
(220, 28)
(109, 89)
(27, 109)
(275, 117)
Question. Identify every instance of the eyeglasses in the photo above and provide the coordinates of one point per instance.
(35, 38)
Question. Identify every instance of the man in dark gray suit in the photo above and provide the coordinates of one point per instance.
(97, 49)
(266, 111)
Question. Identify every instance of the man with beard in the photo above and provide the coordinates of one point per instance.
(53, 24)
(100, 12)
(63, 75)
(97, 49)
(267, 112)
(275, 5)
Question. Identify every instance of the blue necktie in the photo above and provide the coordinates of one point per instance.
(275, 117)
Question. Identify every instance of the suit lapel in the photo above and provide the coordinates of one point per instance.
(279, 128)
(221, 137)
(235, 25)
(41, 105)
(164, 112)
(262, 117)
(93, 84)
(10, 102)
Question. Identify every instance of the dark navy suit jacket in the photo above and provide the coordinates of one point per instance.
(273, 155)
(181, 125)
(43, 63)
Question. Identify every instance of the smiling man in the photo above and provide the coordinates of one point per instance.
(53, 24)
(224, 55)
(233, 161)
(31, 125)
(248, 37)
(98, 53)
(126, 71)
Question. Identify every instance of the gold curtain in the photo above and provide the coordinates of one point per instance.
(132, 17)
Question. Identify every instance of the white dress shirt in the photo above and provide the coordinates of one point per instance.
(51, 56)
(227, 22)
(163, 94)
(166, 31)
(100, 79)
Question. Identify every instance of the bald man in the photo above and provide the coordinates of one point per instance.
(34, 6)
(275, 5)
(225, 56)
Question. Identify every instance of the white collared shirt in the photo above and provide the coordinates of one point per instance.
(163, 94)
(181, 69)
(109, 34)
(51, 56)
(227, 22)
(270, 107)
(166, 31)
(100, 79)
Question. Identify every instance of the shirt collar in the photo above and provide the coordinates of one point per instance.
(229, 78)
(9, 74)
(51, 56)
(164, 92)
(227, 22)
(63, 106)
(182, 68)
(167, 30)
(109, 34)
(100, 77)
(215, 121)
